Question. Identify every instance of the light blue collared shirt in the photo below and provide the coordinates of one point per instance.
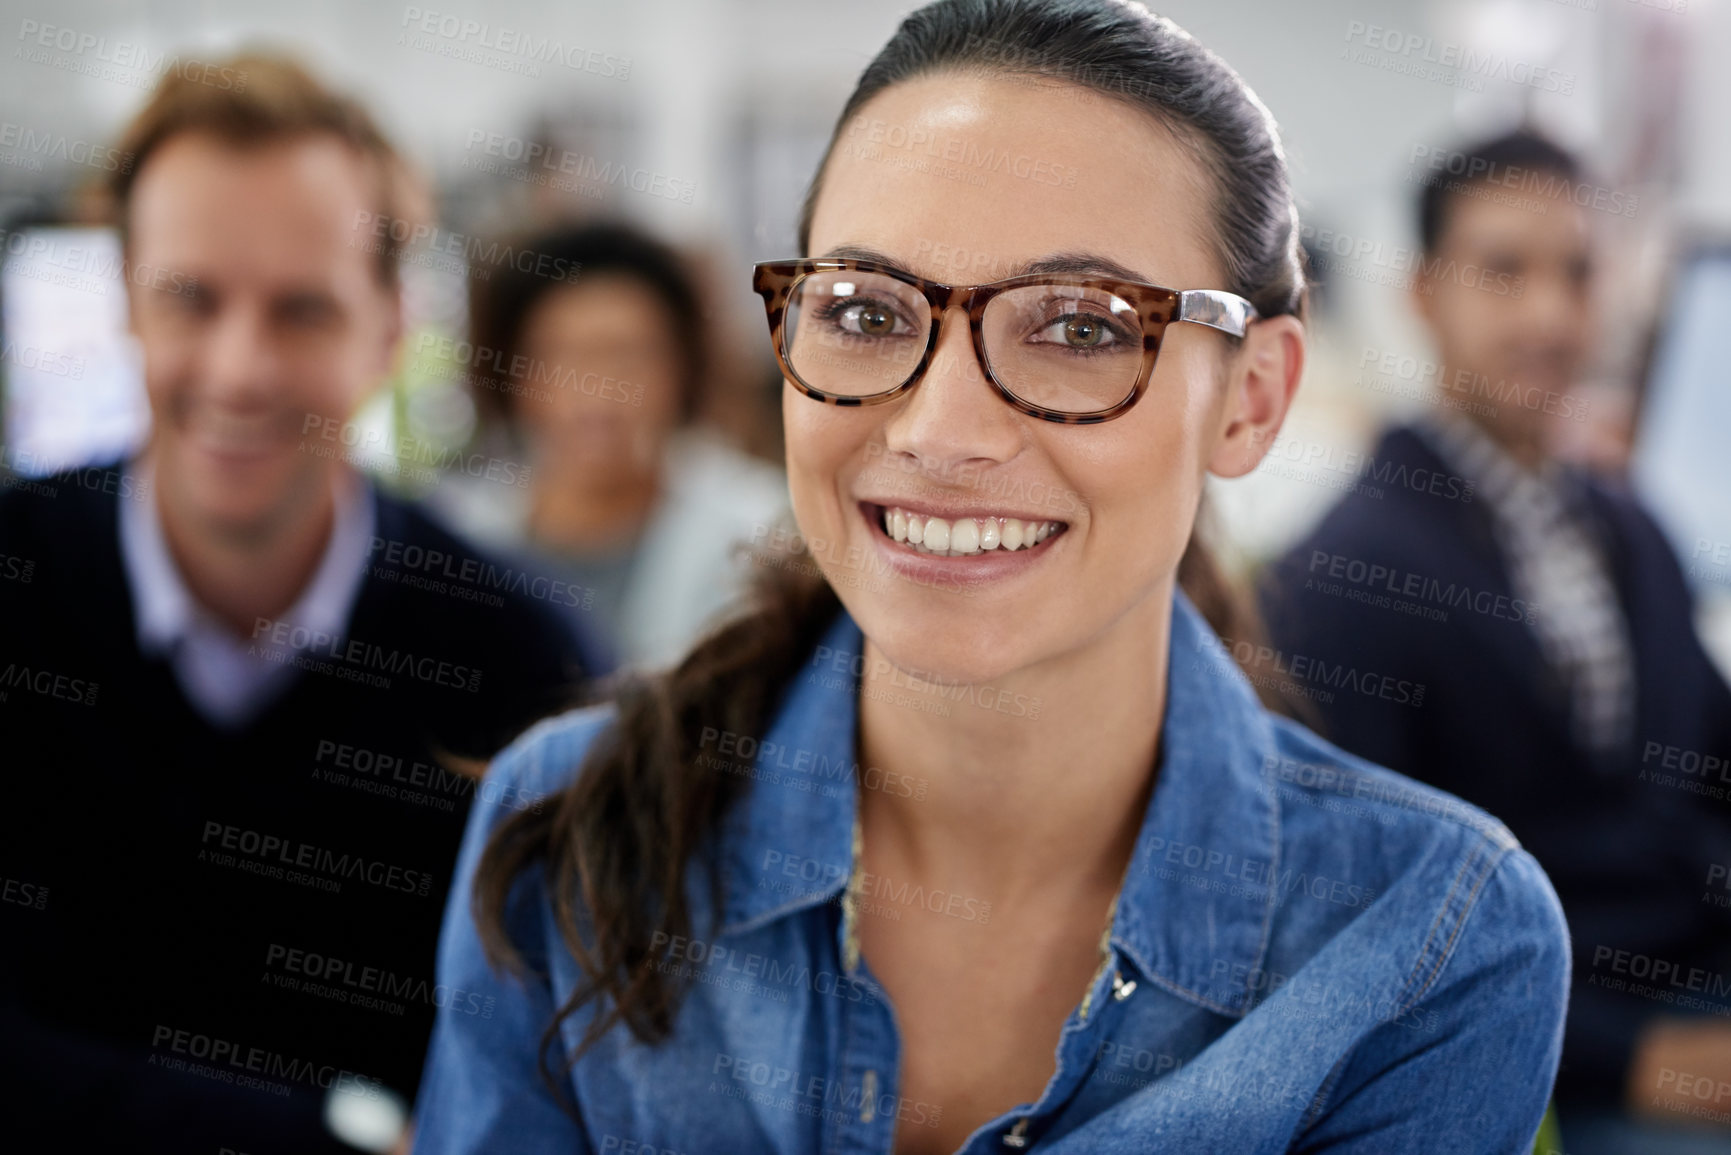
(229, 679)
(1309, 953)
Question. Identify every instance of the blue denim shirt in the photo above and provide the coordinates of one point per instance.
(1309, 953)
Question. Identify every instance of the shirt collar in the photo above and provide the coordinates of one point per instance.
(164, 608)
(1213, 818)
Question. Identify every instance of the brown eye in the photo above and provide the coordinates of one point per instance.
(1083, 332)
(875, 321)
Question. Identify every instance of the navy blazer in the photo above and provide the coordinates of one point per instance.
(1404, 579)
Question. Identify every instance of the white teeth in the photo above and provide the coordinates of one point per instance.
(966, 535)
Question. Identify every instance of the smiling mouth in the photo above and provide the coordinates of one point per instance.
(961, 536)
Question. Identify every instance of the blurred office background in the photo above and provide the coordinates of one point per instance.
(716, 111)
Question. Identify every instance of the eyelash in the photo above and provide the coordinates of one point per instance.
(834, 309)
(1120, 335)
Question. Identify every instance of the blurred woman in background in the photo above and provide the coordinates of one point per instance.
(602, 381)
(970, 835)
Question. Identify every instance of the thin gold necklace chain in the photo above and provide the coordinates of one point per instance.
(850, 918)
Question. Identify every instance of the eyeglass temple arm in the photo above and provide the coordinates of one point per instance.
(1217, 309)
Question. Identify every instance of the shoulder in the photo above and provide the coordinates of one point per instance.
(65, 504)
(542, 761)
(704, 470)
(1448, 876)
(490, 596)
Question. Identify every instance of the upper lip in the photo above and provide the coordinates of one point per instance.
(950, 511)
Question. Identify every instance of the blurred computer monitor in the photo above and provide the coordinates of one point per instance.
(74, 391)
(1682, 457)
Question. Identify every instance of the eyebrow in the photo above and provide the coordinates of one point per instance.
(1071, 263)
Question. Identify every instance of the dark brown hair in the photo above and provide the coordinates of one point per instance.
(255, 100)
(1523, 152)
(500, 306)
(614, 847)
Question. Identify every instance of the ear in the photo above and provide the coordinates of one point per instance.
(1261, 383)
(1422, 293)
(390, 351)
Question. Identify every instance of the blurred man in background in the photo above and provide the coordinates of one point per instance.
(1549, 622)
(240, 679)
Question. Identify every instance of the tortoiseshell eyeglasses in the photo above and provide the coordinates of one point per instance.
(1072, 349)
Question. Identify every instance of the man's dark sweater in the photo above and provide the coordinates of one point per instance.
(1404, 584)
(204, 929)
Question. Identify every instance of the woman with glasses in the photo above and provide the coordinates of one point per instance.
(971, 835)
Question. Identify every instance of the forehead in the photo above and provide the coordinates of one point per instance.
(1478, 215)
(298, 205)
(610, 304)
(965, 177)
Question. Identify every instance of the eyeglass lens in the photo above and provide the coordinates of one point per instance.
(1067, 348)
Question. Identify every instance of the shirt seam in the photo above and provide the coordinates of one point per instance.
(1451, 911)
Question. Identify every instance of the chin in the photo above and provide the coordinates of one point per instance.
(948, 643)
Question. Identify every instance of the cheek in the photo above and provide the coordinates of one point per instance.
(821, 440)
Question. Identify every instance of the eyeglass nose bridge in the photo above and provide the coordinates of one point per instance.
(973, 300)
(943, 299)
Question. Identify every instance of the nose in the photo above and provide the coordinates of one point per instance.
(953, 417)
(239, 357)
